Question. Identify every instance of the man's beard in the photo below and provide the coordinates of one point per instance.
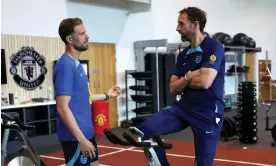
(81, 48)
(184, 38)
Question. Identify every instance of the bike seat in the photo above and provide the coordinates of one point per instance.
(9, 116)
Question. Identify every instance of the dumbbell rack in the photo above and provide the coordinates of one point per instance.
(236, 55)
(142, 101)
(247, 110)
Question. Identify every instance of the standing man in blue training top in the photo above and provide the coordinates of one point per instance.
(199, 78)
(75, 128)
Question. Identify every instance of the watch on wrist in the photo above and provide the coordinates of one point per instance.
(106, 97)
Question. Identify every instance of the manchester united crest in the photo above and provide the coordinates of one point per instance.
(100, 119)
(28, 68)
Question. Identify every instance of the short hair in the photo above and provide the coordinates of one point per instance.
(196, 14)
(67, 26)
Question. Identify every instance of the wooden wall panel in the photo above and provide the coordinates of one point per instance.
(51, 48)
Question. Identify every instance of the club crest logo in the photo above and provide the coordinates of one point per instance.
(28, 68)
(198, 58)
(100, 119)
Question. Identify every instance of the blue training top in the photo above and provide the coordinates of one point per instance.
(203, 102)
(70, 79)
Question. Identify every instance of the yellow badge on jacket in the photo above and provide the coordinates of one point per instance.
(213, 58)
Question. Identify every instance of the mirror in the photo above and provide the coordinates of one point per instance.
(21, 161)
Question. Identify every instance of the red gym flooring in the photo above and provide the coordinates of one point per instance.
(182, 153)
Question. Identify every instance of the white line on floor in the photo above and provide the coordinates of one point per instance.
(118, 151)
(51, 157)
(185, 156)
(168, 154)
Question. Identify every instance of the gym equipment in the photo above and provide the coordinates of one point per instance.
(155, 67)
(239, 69)
(240, 39)
(217, 35)
(146, 75)
(146, 145)
(140, 88)
(231, 129)
(273, 133)
(156, 56)
(206, 34)
(11, 122)
(268, 103)
(224, 38)
(247, 110)
(142, 96)
(251, 43)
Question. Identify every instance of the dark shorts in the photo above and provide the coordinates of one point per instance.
(73, 155)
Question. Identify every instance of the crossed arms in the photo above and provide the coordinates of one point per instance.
(198, 79)
(201, 78)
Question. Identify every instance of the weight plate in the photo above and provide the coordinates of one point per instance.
(228, 127)
(237, 117)
(140, 88)
(273, 132)
(142, 98)
(234, 125)
(225, 128)
(142, 75)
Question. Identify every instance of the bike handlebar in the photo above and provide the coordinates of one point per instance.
(14, 116)
(114, 139)
(134, 142)
(131, 141)
(9, 116)
(159, 141)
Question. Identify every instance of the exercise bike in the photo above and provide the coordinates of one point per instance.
(146, 145)
(27, 155)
